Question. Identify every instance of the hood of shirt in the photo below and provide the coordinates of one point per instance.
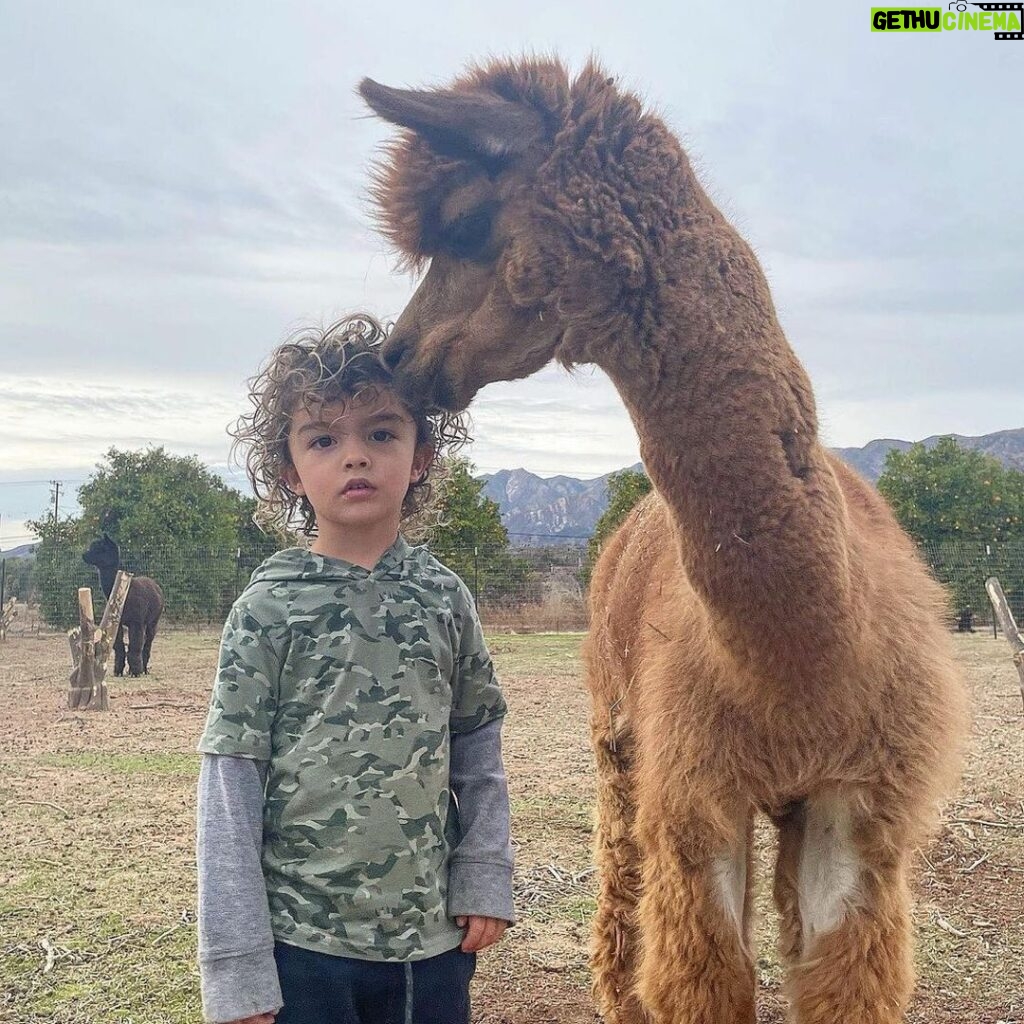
(298, 564)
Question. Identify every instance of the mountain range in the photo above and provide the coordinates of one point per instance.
(21, 551)
(1005, 445)
(563, 508)
(560, 508)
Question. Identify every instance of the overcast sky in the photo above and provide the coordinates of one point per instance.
(182, 184)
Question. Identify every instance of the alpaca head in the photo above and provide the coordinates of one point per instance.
(102, 553)
(527, 196)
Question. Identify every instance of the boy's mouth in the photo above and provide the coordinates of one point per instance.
(357, 485)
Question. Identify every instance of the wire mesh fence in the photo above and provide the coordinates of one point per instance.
(537, 586)
(963, 566)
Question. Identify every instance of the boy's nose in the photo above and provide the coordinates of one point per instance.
(356, 459)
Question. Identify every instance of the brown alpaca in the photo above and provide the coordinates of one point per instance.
(764, 636)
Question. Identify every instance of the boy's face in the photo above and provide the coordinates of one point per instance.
(354, 460)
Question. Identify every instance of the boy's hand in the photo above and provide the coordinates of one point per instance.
(257, 1018)
(481, 932)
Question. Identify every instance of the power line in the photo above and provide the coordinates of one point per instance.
(22, 483)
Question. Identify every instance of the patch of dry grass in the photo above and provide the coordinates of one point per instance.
(97, 885)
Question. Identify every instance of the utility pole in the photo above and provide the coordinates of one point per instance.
(56, 532)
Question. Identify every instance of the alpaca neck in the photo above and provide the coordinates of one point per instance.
(729, 436)
(108, 573)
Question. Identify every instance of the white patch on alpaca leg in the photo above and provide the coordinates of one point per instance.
(729, 870)
(828, 879)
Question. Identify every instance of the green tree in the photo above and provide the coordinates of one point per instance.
(172, 518)
(966, 512)
(58, 570)
(151, 499)
(951, 493)
(471, 539)
(253, 544)
(18, 574)
(466, 517)
(625, 489)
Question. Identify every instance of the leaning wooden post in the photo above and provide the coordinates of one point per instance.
(90, 647)
(7, 616)
(115, 603)
(1001, 607)
(83, 644)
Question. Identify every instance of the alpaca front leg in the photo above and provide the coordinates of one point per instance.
(697, 965)
(855, 961)
(119, 652)
(147, 647)
(615, 944)
(136, 640)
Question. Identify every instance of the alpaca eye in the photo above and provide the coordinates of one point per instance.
(467, 238)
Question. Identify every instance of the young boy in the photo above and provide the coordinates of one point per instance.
(353, 826)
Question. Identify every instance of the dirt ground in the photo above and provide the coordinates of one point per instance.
(97, 892)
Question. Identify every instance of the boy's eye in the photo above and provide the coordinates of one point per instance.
(380, 434)
(324, 441)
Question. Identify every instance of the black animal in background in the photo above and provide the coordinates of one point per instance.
(965, 621)
(142, 607)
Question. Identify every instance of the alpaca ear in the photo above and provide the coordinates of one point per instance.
(484, 124)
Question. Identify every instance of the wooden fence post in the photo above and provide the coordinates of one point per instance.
(91, 645)
(7, 615)
(83, 643)
(1001, 607)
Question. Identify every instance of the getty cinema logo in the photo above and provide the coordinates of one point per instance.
(959, 16)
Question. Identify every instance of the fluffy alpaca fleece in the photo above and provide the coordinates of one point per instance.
(764, 637)
(143, 606)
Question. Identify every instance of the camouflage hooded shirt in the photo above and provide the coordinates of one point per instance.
(350, 682)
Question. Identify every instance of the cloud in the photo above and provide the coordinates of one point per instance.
(179, 188)
(52, 423)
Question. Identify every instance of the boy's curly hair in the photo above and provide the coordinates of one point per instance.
(317, 366)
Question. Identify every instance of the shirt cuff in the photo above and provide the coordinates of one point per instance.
(241, 986)
(480, 888)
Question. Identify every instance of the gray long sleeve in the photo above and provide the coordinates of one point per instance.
(480, 870)
(236, 945)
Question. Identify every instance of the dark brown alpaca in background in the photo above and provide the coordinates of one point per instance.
(764, 637)
(142, 607)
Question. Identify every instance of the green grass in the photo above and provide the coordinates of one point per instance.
(578, 908)
(552, 655)
(122, 974)
(127, 763)
(97, 903)
(562, 812)
(99, 865)
(96, 937)
(109, 896)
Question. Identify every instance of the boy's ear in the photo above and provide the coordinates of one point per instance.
(291, 478)
(421, 462)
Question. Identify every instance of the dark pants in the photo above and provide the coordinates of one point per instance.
(321, 989)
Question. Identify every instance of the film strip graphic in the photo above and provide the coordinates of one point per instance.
(1018, 7)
